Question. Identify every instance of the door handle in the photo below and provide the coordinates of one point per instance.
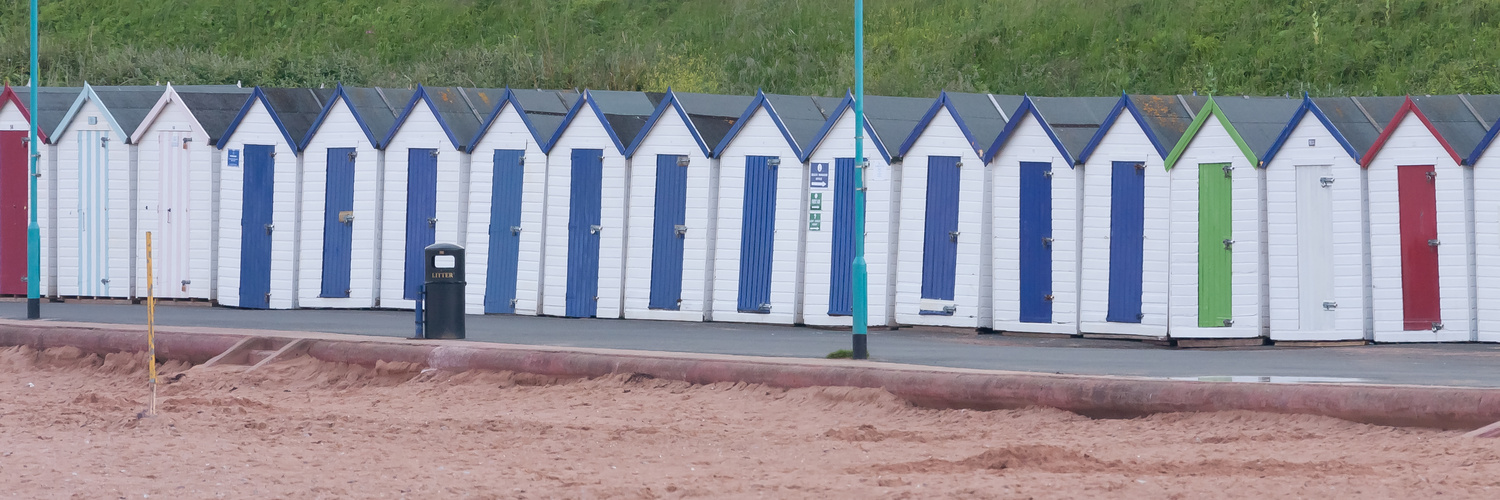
(953, 236)
(270, 228)
(1433, 243)
(594, 229)
(680, 229)
(432, 222)
(1330, 305)
(515, 230)
(1229, 244)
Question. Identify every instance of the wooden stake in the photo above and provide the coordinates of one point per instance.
(150, 327)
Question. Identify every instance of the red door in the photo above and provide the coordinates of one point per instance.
(13, 200)
(1419, 246)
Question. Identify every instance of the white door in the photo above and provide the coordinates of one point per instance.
(1315, 296)
(171, 248)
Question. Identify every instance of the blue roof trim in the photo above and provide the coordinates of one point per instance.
(1484, 144)
(1015, 120)
(671, 100)
(759, 102)
(1109, 123)
(1286, 133)
(833, 119)
(338, 93)
(942, 102)
(508, 98)
(257, 95)
(421, 95)
(573, 113)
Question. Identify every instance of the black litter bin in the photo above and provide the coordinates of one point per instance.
(444, 315)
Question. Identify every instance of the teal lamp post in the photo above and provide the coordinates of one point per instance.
(861, 276)
(33, 231)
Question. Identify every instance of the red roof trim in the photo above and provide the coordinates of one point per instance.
(1406, 107)
(9, 94)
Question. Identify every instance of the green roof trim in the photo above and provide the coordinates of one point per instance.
(1210, 109)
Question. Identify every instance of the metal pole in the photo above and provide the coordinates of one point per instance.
(861, 278)
(33, 231)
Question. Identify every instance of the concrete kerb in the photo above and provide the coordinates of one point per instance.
(1093, 396)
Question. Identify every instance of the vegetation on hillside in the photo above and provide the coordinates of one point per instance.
(914, 47)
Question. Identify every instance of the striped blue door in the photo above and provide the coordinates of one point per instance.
(940, 237)
(1127, 240)
(758, 233)
(582, 300)
(421, 214)
(256, 226)
(1036, 242)
(93, 214)
(841, 271)
(666, 241)
(505, 232)
(338, 222)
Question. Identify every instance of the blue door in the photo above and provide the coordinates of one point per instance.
(1127, 240)
(1036, 242)
(421, 214)
(940, 237)
(583, 233)
(841, 272)
(256, 227)
(505, 232)
(338, 222)
(758, 233)
(666, 240)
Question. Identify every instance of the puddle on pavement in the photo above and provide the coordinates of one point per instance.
(1271, 379)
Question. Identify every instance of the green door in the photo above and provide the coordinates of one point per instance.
(1215, 242)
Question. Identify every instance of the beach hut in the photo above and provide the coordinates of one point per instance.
(587, 175)
(1123, 272)
(1036, 192)
(92, 187)
(1216, 279)
(1418, 199)
(176, 169)
(943, 250)
(1484, 162)
(507, 193)
(423, 195)
(1315, 223)
(15, 190)
(672, 204)
(259, 184)
(759, 224)
(828, 292)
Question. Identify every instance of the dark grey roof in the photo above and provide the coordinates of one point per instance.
(625, 111)
(1259, 120)
(1074, 120)
(713, 115)
(980, 115)
(53, 104)
(893, 118)
(1488, 106)
(1350, 122)
(1165, 116)
(545, 109)
(1381, 109)
(297, 109)
(129, 105)
(801, 116)
(396, 99)
(455, 112)
(1453, 120)
(373, 110)
(214, 109)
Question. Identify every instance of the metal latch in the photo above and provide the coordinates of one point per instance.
(1140, 167)
(1047, 241)
(766, 307)
(773, 162)
(683, 161)
(1325, 181)
(1228, 170)
(1433, 243)
(434, 153)
(1228, 322)
(432, 222)
(1228, 244)
(513, 302)
(594, 229)
(270, 228)
(1437, 325)
(104, 142)
(515, 230)
(952, 235)
(521, 161)
(1048, 174)
(1047, 297)
(596, 297)
(1330, 305)
(352, 155)
(680, 230)
(104, 281)
(185, 283)
(346, 216)
(950, 309)
(959, 164)
(1432, 176)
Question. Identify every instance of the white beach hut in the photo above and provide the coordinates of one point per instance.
(1123, 276)
(1419, 199)
(943, 250)
(1484, 162)
(341, 164)
(175, 179)
(1315, 223)
(1037, 191)
(507, 191)
(673, 205)
(423, 190)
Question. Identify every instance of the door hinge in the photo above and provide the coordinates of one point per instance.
(680, 229)
(104, 281)
(1048, 174)
(1140, 167)
(103, 142)
(1228, 322)
(273, 154)
(513, 302)
(270, 228)
(353, 155)
(953, 236)
(1432, 176)
(773, 162)
(434, 153)
(515, 230)
(1228, 170)
(1433, 243)
(683, 161)
(958, 164)
(432, 222)
(1047, 241)
(1229, 244)
(1437, 325)
(1047, 297)
(950, 309)
(268, 298)
(521, 161)
(594, 229)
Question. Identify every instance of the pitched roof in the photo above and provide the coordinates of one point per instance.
(1307, 107)
(128, 106)
(296, 110)
(447, 104)
(713, 115)
(214, 108)
(372, 106)
(803, 119)
(375, 109)
(1074, 120)
(1165, 116)
(1350, 123)
(887, 119)
(1408, 109)
(53, 105)
(1454, 121)
(976, 115)
(1488, 107)
(625, 112)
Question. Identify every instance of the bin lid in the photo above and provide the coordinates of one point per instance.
(444, 248)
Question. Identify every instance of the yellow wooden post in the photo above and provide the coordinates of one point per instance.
(150, 326)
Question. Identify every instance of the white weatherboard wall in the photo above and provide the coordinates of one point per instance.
(161, 144)
(879, 229)
(80, 147)
(259, 129)
(585, 132)
(420, 131)
(1125, 141)
(1487, 243)
(507, 132)
(1213, 145)
(669, 136)
(1346, 241)
(1029, 142)
(759, 136)
(339, 130)
(972, 284)
(1412, 144)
